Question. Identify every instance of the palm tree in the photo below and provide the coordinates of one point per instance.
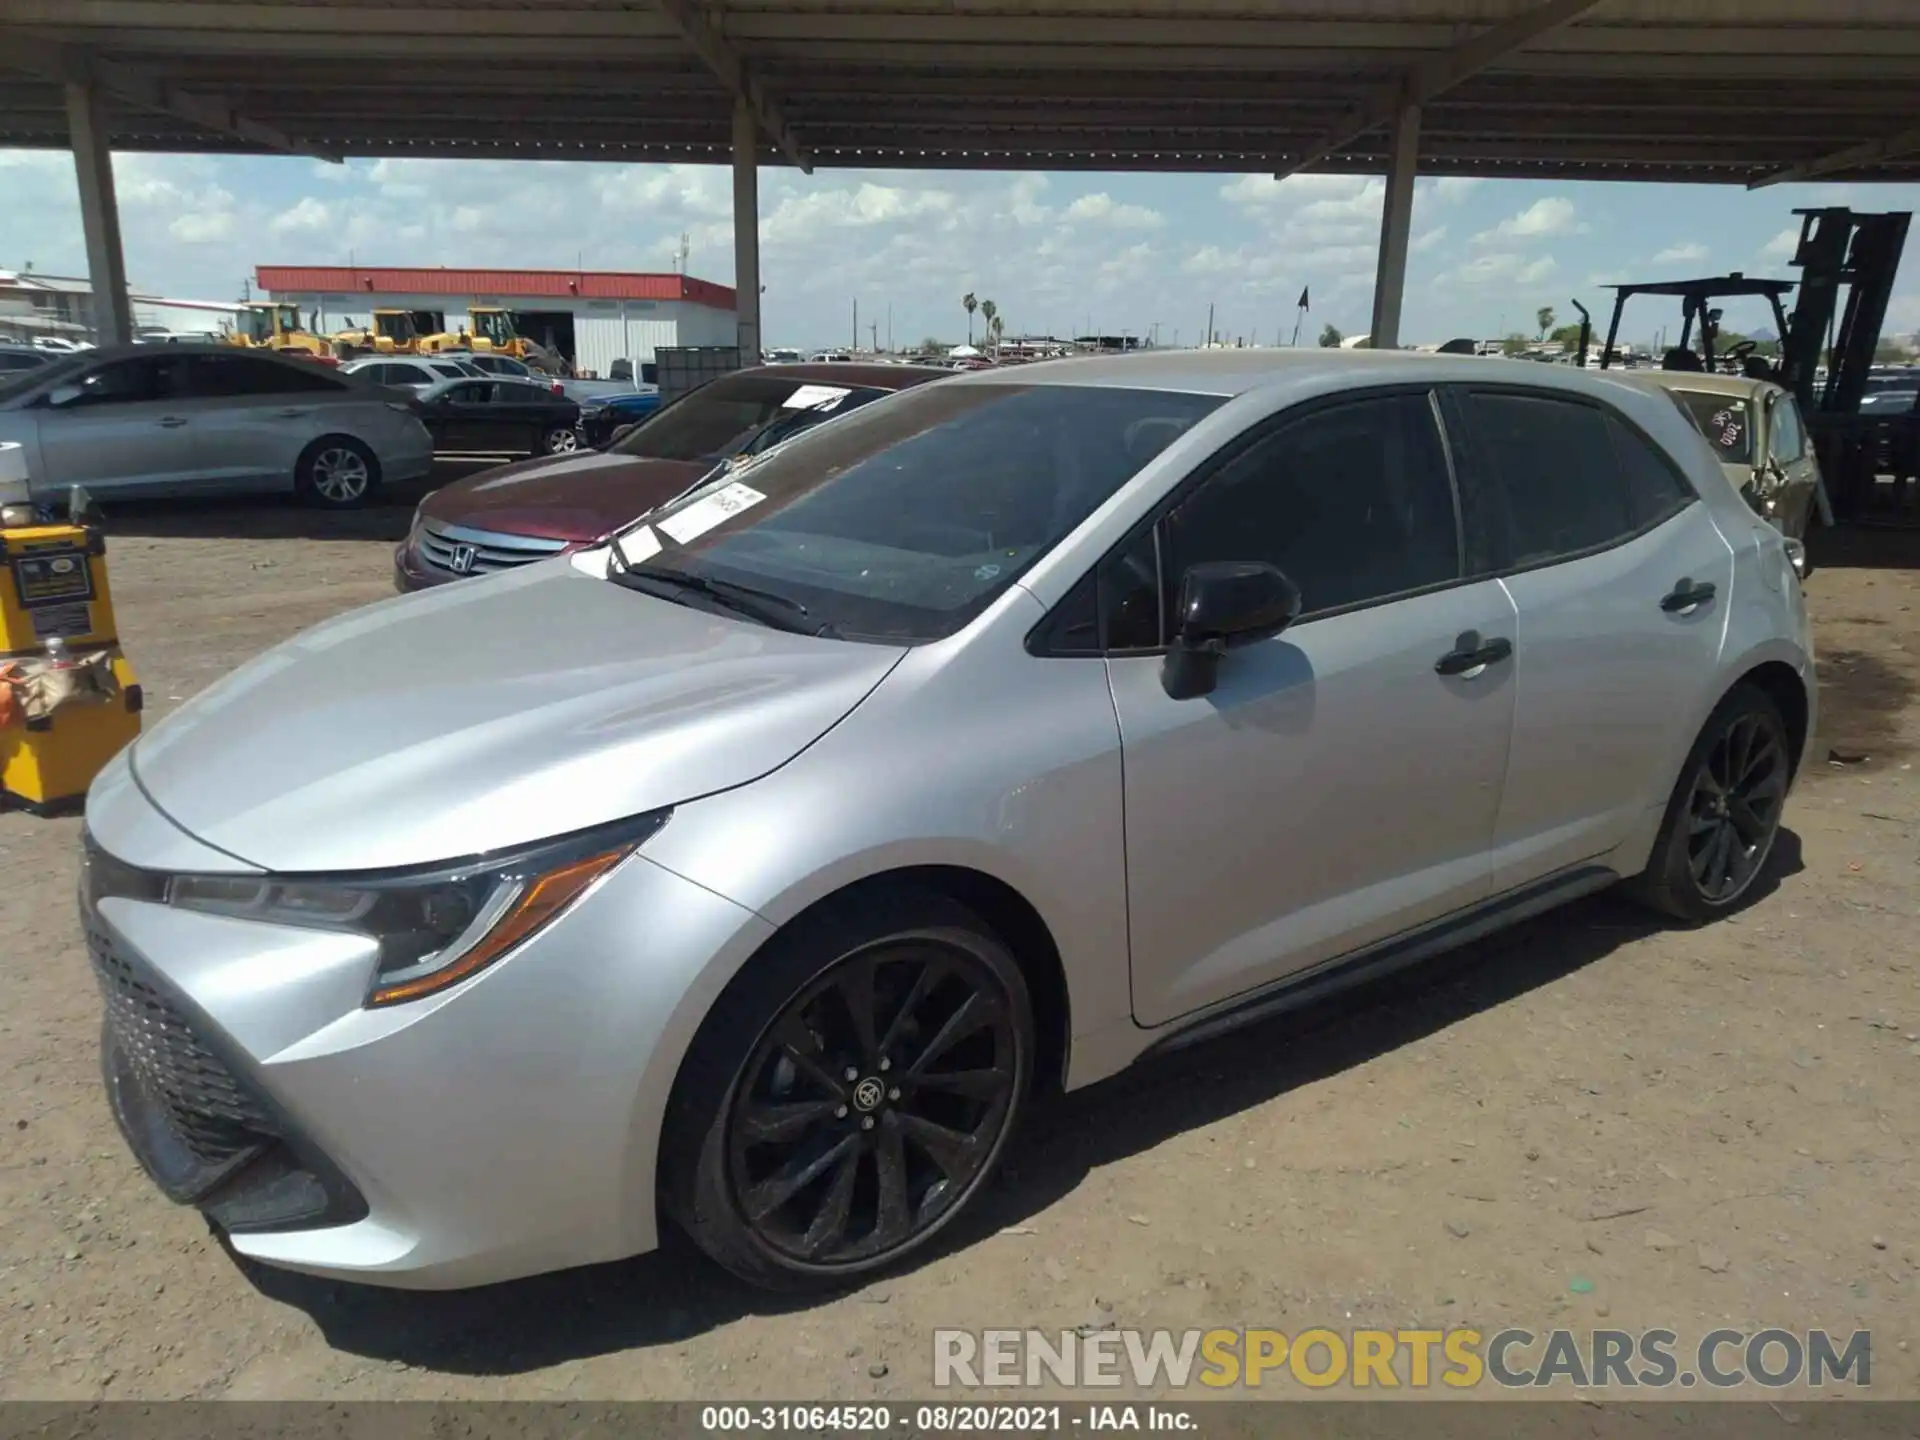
(969, 304)
(1545, 316)
(995, 326)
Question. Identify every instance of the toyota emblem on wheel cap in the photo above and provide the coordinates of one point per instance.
(868, 1094)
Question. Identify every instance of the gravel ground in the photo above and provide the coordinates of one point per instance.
(1590, 1121)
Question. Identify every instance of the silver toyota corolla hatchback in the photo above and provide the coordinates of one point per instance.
(755, 870)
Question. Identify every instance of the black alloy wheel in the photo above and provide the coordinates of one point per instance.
(872, 1104)
(1725, 812)
(877, 1094)
(1734, 811)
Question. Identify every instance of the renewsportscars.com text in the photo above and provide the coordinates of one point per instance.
(1393, 1359)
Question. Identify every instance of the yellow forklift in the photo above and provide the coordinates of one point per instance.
(68, 699)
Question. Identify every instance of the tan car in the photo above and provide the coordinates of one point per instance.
(1756, 430)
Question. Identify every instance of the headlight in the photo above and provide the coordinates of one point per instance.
(434, 927)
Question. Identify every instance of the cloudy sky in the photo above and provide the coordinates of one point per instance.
(1057, 252)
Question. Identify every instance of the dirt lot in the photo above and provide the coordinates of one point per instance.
(1590, 1121)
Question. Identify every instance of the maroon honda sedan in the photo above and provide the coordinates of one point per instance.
(535, 509)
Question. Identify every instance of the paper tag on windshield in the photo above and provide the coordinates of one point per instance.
(637, 546)
(814, 397)
(715, 509)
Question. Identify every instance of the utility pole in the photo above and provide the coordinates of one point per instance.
(856, 322)
(873, 333)
(1209, 340)
(1156, 335)
(889, 327)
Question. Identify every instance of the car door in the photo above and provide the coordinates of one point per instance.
(1796, 471)
(252, 418)
(1341, 783)
(521, 415)
(1622, 582)
(118, 428)
(462, 418)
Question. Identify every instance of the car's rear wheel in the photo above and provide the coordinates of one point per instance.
(1725, 811)
(850, 1094)
(560, 440)
(337, 472)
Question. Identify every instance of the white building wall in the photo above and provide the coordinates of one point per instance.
(705, 325)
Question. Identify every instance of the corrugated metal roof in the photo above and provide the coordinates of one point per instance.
(508, 284)
(1723, 90)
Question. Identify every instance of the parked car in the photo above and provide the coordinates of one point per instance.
(489, 363)
(604, 417)
(1757, 433)
(15, 358)
(183, 419)
(61, 344)
(499, 415)
(542, 508)
(409, 372)
(754, 869)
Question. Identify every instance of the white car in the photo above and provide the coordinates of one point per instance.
(196, 419)
(408, 372)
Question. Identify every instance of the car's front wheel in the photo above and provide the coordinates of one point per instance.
(561, 440)
(1724, 814)
(850, 1093)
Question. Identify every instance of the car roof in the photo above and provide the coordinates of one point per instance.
(868, 376)
(1228, 372)
(1703, 382)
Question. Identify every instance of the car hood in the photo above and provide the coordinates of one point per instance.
(487, 714)
(577, 498)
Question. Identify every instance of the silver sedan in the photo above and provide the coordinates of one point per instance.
(753, 870)
(146, 420)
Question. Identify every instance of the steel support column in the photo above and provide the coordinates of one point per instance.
(99, 214)
(746, 231)
(1396, 225)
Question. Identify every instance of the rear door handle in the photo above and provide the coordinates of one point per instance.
(1470, 655)
(171, 422)
(1686, 596)
(294, 412)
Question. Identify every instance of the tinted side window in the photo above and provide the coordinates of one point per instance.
(1354, 503)
(1655, 489)
(474, 394)
(234, 375)
(1789, 440)
(1552, 465)
(128, 382)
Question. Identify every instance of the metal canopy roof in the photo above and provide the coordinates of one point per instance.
(1739, 91)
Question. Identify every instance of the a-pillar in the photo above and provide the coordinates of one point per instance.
(746, 232)
(99, 214)
(1396, 224)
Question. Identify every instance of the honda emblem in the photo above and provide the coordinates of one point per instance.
(460, 559)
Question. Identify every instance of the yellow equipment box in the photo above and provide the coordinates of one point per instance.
(55, 586)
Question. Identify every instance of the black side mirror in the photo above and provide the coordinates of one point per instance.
(1223, 604)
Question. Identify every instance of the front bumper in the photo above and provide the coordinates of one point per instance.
(411, 573)
(506, 1127)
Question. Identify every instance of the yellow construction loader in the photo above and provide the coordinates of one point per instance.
(490, 330)
(388, 332)
(271, 325)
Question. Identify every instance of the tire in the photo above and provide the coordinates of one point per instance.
(337, 472)
(561, 440)
(763, 1102)
(1685, 877)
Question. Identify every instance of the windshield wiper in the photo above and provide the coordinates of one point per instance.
(781, 612)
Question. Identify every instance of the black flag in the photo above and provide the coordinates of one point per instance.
(1302, 301)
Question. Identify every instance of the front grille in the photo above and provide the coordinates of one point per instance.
(458, 550)
(190, 1120)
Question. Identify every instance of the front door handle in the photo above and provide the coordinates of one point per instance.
(1686, 597)
(171, 422)
(1471, 655)
(293, 412)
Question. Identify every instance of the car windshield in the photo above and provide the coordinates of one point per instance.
(1726, 421)
(724, 416)
(907, 519)
(14, 384)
